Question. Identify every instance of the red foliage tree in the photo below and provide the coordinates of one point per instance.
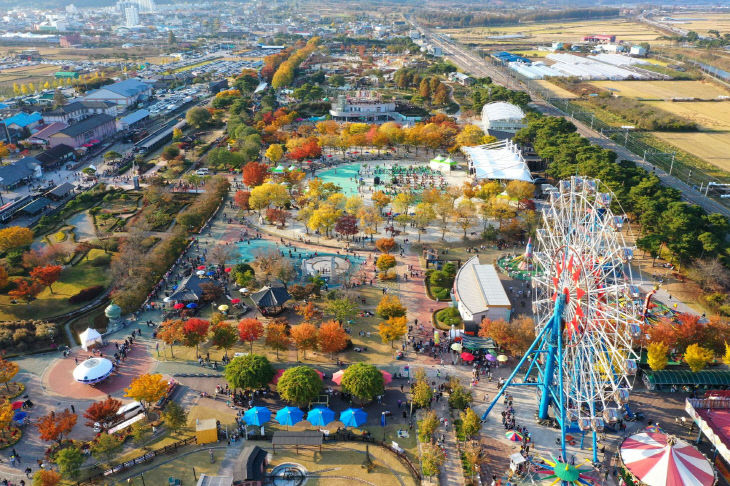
(47, 275)
(278, 216)
(679, 334)
(55, 426)
(254, 174)
(249, 330)
(308, 150)
(195, 331)
(346, 225)
(102, 412)
(241, 199)
(26, 290)
(331, 337)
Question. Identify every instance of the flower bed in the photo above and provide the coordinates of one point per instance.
(10, 438)
(13, 390)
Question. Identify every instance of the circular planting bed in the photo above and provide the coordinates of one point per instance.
(12, 390)
(443, 319)
(10, 437)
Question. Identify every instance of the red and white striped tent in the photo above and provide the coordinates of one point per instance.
(657, 459)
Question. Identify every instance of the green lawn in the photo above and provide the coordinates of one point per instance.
(73, 279)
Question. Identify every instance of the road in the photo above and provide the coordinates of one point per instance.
(471, 62)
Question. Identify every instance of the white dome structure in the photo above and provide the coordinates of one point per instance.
(93, 371)
(502, 117)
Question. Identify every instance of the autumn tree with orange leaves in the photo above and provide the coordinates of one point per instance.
(515, 337)
(46, 477)
(55, 426)
(309, 312)
(277, 336)
(686, 329)
(47, 275)
(304, 336)
(254, 174)
(250, 330)
(102, 412)
(331, 337)
(170, 332)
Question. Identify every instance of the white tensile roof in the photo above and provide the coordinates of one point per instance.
(478, 287)
(498, 160)
(501, 110)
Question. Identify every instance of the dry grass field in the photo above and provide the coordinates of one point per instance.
(625, 30)
(664, 89)
(555, 89)
(713, 147)
(708, 115)
(702, 22)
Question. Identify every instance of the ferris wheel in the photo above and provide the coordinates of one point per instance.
(586, 319)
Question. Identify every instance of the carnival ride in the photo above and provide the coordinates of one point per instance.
(582, 360)
(521, 267)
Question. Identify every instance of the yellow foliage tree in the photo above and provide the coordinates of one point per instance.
(15, 237)
(6, 415)
(471, 135)
(8, 369)
(697, 357)
(275, 152)
(657, 356)
(147, 388)
(16, 89)
(726, 358)
(3, 150)
(393, 329)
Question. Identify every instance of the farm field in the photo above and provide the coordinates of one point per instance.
(554, 89)
(708, 115)
(713, 147)
(663, 89)
(703, 22)
(28, 74)
(625, 30)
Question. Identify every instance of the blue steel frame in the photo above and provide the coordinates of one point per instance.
(549, 341)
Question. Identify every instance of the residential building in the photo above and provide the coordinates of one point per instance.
(123, 93)
(96, 127)
(131, 16)
(363, 106)
(478, 293)
(42, 136)
(18, 126)
(78, 110)
(462, 79)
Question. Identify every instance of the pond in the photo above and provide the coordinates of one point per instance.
(83, 226)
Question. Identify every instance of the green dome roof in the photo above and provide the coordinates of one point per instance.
(113, 311)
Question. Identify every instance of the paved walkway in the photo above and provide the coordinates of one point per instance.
(451, 472)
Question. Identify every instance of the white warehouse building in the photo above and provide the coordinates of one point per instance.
(502, 117)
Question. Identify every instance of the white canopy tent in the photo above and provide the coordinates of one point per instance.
(89, 338)
(499, 160)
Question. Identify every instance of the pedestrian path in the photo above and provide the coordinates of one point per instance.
(451, 472)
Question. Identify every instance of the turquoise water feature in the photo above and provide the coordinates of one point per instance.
(250, 249)
(344, 176)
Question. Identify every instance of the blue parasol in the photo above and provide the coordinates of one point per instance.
(257, 416)
(289, 416)
(353, 417)
(320, 416)
(192, 305)
(210, 274)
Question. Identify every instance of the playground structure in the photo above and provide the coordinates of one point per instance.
(521, 267)
(330, 267)
(582, 361)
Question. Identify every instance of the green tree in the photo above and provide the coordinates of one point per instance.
(176, 417)
(470, 423)
(363, 381)
(459, 397)
(342, 309)
(249, 372)
(104, 447)
(300, 385)
(224, 336)
(69, 461)
(198, 117)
